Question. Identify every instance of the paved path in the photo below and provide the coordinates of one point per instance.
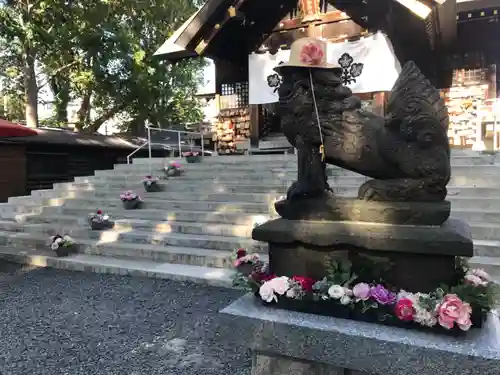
(64, 323)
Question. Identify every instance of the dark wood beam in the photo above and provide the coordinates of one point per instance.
(297, 23)
(231, 13)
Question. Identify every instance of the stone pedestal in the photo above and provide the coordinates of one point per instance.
(291, 343)
(417, 258)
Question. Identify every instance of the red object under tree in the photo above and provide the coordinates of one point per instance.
(9, 129)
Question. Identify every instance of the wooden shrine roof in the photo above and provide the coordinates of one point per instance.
(212, 32)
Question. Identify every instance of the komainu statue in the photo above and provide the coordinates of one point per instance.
(406, 153)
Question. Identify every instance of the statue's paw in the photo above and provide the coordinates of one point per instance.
(369, 191)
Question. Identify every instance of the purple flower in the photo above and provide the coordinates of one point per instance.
(382, 295)
(361, 291)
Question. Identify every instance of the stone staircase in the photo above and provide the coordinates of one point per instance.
(189, 231)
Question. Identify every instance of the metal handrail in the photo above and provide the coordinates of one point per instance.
(149, 143)
(137, 149)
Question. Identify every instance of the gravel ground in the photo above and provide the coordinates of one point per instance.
(70, 323)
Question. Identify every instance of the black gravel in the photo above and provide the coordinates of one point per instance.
(71, 323)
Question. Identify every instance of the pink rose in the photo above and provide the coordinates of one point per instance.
(474, 280)
(453, 310)
(361, 291)
(311, 54)
(482, 274)
(404, 309)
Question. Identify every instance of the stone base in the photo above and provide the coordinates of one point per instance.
(289, 343)
(333, 208)
(413, 258)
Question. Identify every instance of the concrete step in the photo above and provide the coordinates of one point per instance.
(470, 179)
(207, 188)
(78, 227)
(489, 264)
(81, 228)
(220, 203)
(196, 169)
(253, 159)
(159, 253)
(38, 235)
(132, 267)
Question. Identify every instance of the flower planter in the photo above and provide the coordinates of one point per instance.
(62, 251)
(101, 225)
(325, 308)
(152, 187)
(193, 159)
(132, 205)
(173, 172)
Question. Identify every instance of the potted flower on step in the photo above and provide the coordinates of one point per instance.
(173, 169)
(192, 157)
(151, 184)
(131, 200)
(63, 245)
(99, 221)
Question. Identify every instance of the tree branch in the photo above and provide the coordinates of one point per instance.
(56, 72)
(96, 124)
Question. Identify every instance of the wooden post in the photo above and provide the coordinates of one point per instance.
(254, 111)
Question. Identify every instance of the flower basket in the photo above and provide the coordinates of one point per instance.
(451, 310)
(100, 221)
(192, 157)
(64, 251)
(173, 172)
(63, 245)
(95, 225)
(132, 204)
(152, 186)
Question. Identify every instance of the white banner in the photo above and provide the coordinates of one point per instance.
(368, 65)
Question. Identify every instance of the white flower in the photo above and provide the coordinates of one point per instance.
(266, 292)
(424, 317)
(336, 291)
(280, 284)
(105, 217)
(291, 293)
(67, 239)
(58, 240)
(345, 300)
(475, 280)
(54, 246)
(481, 274)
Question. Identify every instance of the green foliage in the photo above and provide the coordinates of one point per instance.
(339, 272)
(101, 52)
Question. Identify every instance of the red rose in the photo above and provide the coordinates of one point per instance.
(306, 283)
(404, 309)
(99, 212)
(240, 253)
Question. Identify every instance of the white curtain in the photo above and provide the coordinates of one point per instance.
(369, 65)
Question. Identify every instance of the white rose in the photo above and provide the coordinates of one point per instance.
(105, 217)
(54, 246)
(345, 300)
(58, 241)
(475, 280)
(68, 239)
(266, 292)
(291, 293)
(280, 284)
(336, 292)
(482, 274)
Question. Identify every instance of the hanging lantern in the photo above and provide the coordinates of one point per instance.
(310, 10)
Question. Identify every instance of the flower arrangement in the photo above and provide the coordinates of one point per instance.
(191, 156)
(173, 169)
(99, 221)
(449, 309)
(151, 184)
(63, 245)
(130, 200)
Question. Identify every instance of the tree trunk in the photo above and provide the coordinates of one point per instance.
(60, 88)
(30, 90)
(84, 111)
